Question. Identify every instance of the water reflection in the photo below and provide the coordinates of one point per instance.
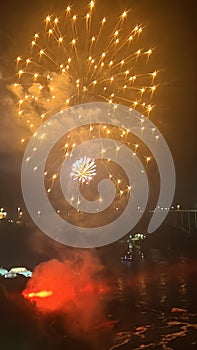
(156, 306)
(145, 306)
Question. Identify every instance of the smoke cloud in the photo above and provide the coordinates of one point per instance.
(71, 288)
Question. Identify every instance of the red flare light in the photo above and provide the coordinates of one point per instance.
(40, 294)
(74, 288)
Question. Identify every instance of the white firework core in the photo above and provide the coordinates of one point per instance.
(83, 169)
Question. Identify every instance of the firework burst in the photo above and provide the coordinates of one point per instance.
(80, 58)
(83, 170)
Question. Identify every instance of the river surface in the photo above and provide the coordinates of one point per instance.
(155, 306)
(150, 306)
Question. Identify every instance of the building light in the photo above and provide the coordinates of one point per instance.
(3, 214)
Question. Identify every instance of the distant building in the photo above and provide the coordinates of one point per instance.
(3, 214)
(3, 271)
(10, 275)
(14, 272)
(21, 271)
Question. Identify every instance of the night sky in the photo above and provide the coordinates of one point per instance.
(170, 27)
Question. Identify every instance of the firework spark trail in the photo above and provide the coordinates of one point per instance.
(62, 70)
(77, 60)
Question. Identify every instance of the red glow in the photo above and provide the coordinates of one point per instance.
(73, 288)
(40, 294)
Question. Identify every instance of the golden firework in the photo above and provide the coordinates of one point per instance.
(80, 57)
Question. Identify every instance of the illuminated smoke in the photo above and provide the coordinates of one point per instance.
(72, 288)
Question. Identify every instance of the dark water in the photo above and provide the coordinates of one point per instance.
(156, 306)
(151, 306)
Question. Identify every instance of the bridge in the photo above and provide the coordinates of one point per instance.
(184, 219)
